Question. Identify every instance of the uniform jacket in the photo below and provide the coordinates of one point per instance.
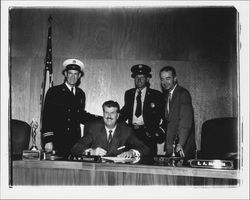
(63, 112)
(153, 111)
(180, 121)
(95, 136)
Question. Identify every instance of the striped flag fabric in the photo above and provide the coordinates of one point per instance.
(48, 70)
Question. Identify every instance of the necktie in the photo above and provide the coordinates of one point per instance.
(109, 141)
(168, 99)
(138, 105)
(72, 90)
(110, 136)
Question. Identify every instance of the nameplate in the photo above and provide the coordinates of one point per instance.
(213, 164)
(86, 158)
(31, 155)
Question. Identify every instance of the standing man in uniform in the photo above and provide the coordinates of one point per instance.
(144, 109)
(64, 110)
(179, 115)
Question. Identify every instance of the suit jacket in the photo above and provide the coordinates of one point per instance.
(62, 114)
(180, 121)
(95, 136)
(153, 111)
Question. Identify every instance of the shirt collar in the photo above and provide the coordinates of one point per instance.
(143, 91)
(108, 129)
(172, 91)
(69, 86)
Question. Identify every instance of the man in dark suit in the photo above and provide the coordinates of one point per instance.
(179, 115)
(64, 110)
(144, 109)
(106, 137)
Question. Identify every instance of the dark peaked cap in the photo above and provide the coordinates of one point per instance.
(141, 69)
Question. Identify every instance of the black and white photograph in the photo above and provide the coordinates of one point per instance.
(125, 100)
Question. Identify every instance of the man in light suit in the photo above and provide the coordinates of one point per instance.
(106, 137)
(144, 109)
(179, 115)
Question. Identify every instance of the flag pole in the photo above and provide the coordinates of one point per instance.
(47, 73)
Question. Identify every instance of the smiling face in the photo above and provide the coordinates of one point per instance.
(141, 81)
(110, 116)
(72, 76)
(168, 81)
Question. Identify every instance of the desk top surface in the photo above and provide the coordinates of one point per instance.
(129, 168)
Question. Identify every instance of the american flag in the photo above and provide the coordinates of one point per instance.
(48, 70)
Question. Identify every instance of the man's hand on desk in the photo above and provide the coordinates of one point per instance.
(179, 149)
(95, 152)
(129, 154)
(48, 147)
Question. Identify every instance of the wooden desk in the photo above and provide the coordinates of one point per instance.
(82, 173)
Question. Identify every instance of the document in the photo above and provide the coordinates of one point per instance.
(121, 159)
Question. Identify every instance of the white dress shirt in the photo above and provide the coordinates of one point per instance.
(170, 96)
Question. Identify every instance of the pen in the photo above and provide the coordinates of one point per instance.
(122, 147)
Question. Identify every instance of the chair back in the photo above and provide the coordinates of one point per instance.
(20, 137)
(219, 138)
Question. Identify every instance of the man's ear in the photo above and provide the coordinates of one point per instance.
(81, 74)
(175, 79)
(118, 115)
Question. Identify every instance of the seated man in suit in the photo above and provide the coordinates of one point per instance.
(106, 137)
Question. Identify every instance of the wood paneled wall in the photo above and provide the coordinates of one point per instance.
(199, 42)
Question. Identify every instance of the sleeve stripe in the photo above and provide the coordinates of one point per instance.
(48, 134)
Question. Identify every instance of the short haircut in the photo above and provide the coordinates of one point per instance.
(168, 68)
(111, 103)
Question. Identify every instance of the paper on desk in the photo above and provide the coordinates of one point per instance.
(121, 159)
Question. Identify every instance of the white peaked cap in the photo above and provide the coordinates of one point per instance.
(73, 62)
